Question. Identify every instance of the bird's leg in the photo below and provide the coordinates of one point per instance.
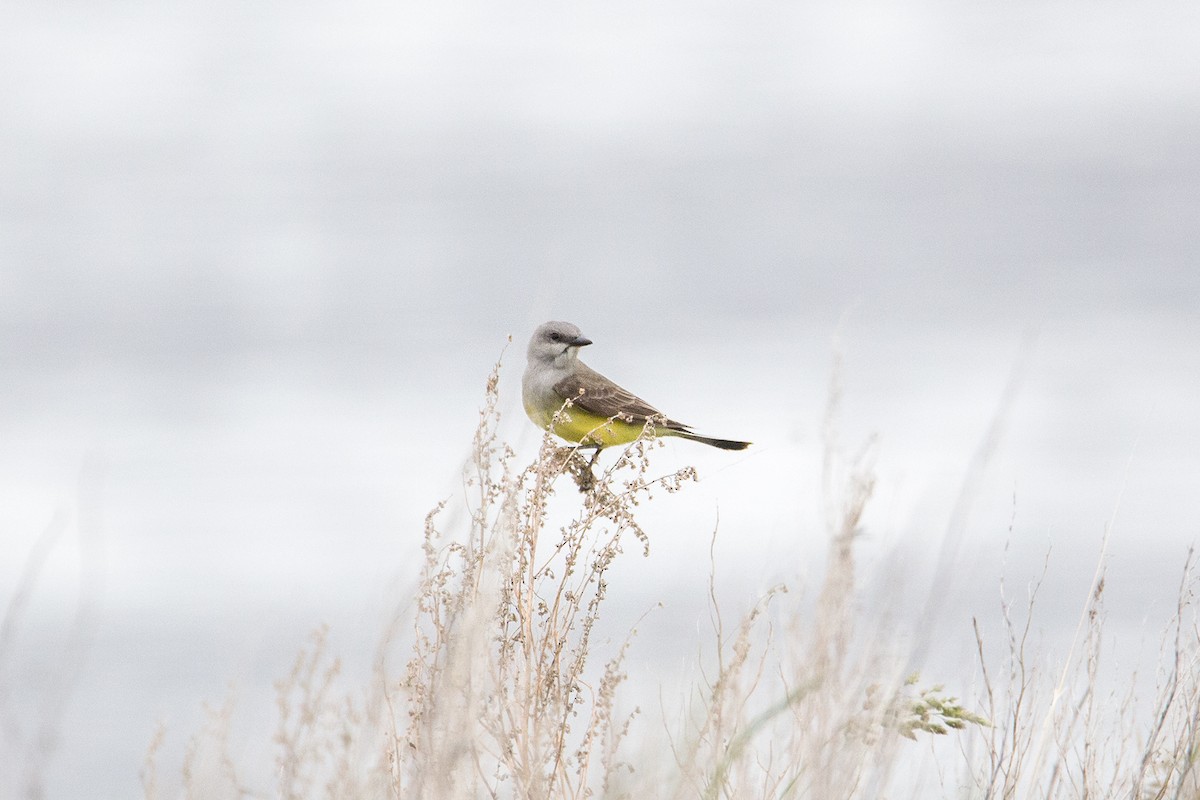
(584, 477)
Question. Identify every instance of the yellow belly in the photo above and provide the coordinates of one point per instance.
(576, 425)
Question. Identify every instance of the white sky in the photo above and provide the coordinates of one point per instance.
(258, 260)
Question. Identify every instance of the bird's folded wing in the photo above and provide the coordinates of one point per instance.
(596, 394)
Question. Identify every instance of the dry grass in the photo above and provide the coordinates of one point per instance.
(496, 684)
(504, 693)
(1058, 734)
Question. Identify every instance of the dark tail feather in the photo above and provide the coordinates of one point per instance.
(724, 444)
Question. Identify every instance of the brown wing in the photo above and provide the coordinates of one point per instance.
(597, 395)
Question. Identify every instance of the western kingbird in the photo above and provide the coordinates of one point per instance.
(600, 412)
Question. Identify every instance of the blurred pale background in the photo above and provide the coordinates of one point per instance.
(257, 260)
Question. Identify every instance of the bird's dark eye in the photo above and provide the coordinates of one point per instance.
(554, 337)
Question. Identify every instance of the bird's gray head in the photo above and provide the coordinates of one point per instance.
(556, 343)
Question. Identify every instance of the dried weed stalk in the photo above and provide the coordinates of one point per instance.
(501, 698)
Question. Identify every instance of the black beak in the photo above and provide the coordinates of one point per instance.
(579, 341)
